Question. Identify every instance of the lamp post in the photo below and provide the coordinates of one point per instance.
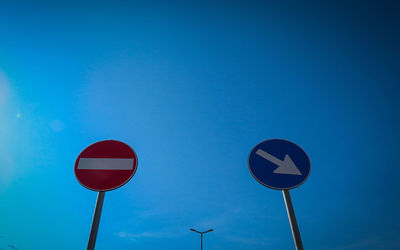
(201, 235)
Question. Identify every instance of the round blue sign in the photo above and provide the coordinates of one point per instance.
(279, 164)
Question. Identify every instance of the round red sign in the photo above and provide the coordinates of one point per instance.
(105, 165)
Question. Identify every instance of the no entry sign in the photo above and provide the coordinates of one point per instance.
(105, 165)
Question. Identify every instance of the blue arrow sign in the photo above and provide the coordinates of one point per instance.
(279, 164)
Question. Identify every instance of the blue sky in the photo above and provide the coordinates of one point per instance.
(192, 88)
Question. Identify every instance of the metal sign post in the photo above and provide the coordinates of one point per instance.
(201, 243)
(282, 165)
(96, 220)
(104, 166)
(292, 220)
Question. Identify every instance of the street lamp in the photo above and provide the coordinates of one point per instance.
(201, 235)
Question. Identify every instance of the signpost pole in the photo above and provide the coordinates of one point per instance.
(96, 220)
(201, 247)
(104, 166)
(292, 220)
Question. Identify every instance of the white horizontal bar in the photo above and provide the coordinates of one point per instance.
(105, 163)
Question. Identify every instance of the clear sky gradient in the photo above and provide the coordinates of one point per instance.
(192, 88)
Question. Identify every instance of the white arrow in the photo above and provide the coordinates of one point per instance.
(286, 166)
